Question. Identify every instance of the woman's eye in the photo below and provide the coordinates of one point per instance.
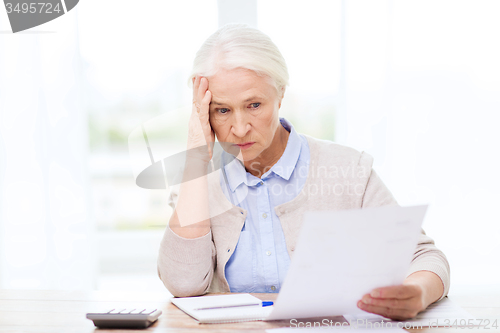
(223, 111)
(255, 105)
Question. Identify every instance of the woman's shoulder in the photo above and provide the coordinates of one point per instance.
(332, 153)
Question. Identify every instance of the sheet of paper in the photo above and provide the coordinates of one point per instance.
(192, 305)
(443, 313)
(342, 255)
(322, 329)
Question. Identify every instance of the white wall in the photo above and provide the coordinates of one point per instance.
(422, 94)
(45, 224)
(416, 84)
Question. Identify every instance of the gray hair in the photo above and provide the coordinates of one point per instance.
(237, 45)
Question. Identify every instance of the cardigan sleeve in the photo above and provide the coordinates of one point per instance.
(186, 266)
(427, 256)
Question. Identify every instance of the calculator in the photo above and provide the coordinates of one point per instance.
(125, 318)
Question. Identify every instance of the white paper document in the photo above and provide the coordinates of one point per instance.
(444, 313)
(337, 329)
(339, 257)
(342, 255)
(224, 308)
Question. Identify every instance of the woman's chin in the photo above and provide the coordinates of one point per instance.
(242, 156)
(245, 156)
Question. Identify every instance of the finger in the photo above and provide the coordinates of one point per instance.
(205, 102)
(397, 314)
(401, 292)
(205, 119)
(205, 105)
(410, 303)
(196, 85)
(202, 89)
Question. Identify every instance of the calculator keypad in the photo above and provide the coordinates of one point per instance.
(133, 311)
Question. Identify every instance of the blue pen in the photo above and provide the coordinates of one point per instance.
(264, 303)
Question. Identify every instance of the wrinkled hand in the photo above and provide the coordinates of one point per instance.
(200, 133)
(396, 302)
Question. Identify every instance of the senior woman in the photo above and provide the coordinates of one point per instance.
(236, 231)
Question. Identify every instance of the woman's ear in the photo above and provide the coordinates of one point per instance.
(281, 94)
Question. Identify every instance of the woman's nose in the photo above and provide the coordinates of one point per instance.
(240, 125)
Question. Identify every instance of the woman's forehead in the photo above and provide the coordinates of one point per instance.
(240, 84)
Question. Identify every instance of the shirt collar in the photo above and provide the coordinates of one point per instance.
(236, 173)
(286, 164)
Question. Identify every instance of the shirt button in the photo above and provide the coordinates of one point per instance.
(264, 215)
(261, 183)
(268, 253)
(273, 288)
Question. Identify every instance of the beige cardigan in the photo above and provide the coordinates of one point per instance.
(339, 178)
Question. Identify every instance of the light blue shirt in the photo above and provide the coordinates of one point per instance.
(260, 260)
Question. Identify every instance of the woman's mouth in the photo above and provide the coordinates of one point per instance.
(245, 145)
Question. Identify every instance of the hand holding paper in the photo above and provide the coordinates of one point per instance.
(404, 301)
(344, 255)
